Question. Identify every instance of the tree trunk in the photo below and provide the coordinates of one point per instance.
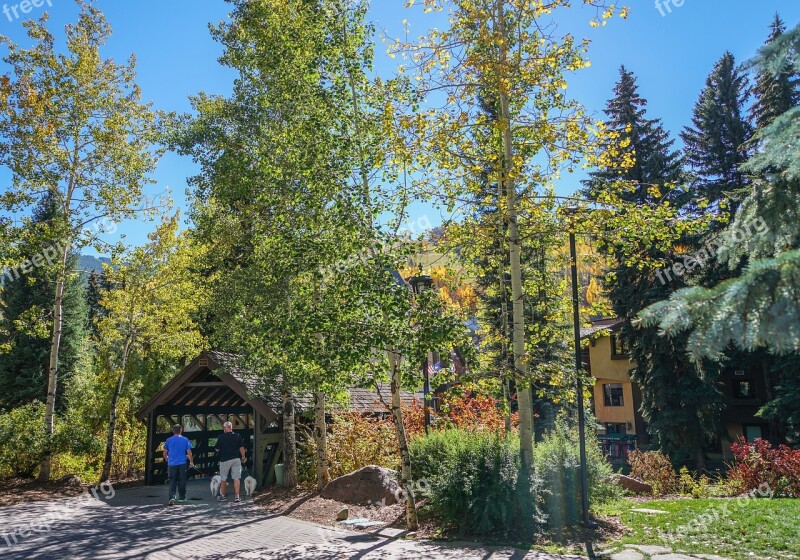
(514, 246)
(776, 436)
(701, 460)
(52, 372)
(505, 330)
(289, 441)
(406, 479)
(112, 421)
(321, 440)
(507, 401)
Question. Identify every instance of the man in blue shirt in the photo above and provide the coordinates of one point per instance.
(178, 455)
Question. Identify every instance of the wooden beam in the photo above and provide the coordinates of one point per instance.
(258, 457)
(206, 384)
(202, 409)
(150, 455)
(190, 396)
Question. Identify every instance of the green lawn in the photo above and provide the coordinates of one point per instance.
(740, 529)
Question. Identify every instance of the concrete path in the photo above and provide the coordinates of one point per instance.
(644, 552)
(135, 523)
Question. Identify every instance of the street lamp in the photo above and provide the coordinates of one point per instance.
(419, 284)
(572, 212)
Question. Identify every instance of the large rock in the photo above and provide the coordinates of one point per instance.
(70, 480)
(366, 486)
(634, 485)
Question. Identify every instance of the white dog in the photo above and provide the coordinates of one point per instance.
(215, 482)
(249, 485)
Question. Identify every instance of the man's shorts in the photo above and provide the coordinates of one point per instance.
(234, 466)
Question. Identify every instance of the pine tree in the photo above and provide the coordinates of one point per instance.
(757, 309)
(656, 162)
(715, 144)
(680, 400)
(776, 90)
(26, 313)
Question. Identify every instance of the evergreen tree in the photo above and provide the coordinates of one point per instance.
(776, 90)
(655, 161)
(27, 315)
(715, 144)
(680, 400)
(758, 308)
(96, 285)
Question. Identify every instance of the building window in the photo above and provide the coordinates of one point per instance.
(753, 432)
(743, 389)
(618, 349)
(616, 429)
(612, 394)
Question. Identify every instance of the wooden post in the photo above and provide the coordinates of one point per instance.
(150, 455)
(256, 454)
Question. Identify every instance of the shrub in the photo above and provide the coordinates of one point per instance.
(471, 412)
(474, 481)
(759, 463)
(354, 441)
(23, 440)
(557, 462)
(655, 469)
(694, 487)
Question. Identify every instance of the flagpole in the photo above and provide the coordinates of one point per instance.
(426, 390)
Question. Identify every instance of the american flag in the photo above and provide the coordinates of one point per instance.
(434, 368)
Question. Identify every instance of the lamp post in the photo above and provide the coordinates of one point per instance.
(572, 211)
(419, 284)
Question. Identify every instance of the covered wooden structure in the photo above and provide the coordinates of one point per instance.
(205, 394)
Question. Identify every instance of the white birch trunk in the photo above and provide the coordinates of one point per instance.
(514, 245)
(406, 480)
(289, 441)
(52, 371)
(321, 440)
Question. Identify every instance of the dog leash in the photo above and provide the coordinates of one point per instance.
(200, 471)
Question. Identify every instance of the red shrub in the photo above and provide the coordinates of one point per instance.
(474, 413)
(759, 463)
(655, 469)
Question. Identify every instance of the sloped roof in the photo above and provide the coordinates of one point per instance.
(256, 386)
(372, 400)
(220, 378)
(205, 383)
(611, 324)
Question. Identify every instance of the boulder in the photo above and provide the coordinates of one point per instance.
(365, 486)
(343, 514)
(70, 480)
(633, 485)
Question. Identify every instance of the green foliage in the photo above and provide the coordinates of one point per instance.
(557, 461)
(715, 144)
(354, 441)
(759, 308)
(777, 88)
(26, 318)
(475, 484)
(695, 487)
(23, 444)
(656, 470)
(76, 445)
(681, 401)
(474, 481)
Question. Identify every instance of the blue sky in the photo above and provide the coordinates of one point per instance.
(671, 54)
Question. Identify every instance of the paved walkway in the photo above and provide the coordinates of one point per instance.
(135, 523)
(643, 552)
